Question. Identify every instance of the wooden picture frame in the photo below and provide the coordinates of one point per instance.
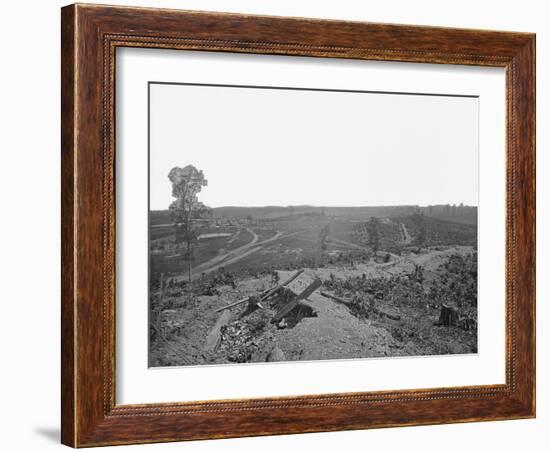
(90, 35)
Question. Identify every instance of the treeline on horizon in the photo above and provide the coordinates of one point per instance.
(450, 212)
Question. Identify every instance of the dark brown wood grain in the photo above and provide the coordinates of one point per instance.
(90, 35)
(67, 225)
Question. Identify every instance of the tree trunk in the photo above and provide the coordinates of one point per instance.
(189, 262)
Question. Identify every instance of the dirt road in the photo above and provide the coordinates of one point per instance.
(234, 255)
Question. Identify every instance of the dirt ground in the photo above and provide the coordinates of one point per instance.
(320, 329)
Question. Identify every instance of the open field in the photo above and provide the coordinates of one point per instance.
(287, 241)
(391, 302)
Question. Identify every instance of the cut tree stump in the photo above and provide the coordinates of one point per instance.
(213, 338)
(448, 316)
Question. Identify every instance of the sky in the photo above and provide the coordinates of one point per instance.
(284, 147)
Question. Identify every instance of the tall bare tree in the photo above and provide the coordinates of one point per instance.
(187, 183)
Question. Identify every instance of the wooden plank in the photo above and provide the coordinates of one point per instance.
(308, 291)
(288, 281)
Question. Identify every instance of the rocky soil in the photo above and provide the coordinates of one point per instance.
(320, 328)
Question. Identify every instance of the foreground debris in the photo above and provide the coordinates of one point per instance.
(283, 307)
(418, 307)
(294, 303)
(213, 338)
(351, 304)
(265, 295)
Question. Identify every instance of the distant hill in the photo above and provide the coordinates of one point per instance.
(452, 212)
(458, 214)
(268, 212)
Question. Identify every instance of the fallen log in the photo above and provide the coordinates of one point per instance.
(213, 337)
(338, 300)
(265, 294)
(308, 291)
(241, 301)
(349, 304)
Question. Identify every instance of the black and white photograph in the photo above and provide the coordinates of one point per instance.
(302, 224)
(275, 225)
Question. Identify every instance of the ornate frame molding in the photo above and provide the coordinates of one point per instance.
(90, 37)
